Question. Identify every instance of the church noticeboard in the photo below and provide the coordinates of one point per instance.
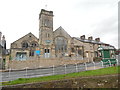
(37, 52)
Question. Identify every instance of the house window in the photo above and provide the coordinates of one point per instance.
(47, 35)
(96, 54)
(91, 47)
(72, 50)
(80, 52)
(86, 54)
(31, 53)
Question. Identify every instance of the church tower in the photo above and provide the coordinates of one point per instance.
(46, 33)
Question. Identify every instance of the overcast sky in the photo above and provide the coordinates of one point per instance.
(97, 18)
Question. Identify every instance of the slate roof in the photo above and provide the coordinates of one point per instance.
(95, 42)
(60, 29)
(88, 41)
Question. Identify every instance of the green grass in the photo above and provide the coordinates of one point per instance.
(103, 71)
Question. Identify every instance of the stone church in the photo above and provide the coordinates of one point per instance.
(54, 43)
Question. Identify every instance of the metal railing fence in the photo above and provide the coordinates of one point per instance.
(53, 70)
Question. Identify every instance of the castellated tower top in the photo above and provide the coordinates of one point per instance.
(45, 12)
(46, 19)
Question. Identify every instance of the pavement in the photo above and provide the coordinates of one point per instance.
(64, 69)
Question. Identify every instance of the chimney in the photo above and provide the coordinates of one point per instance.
(3, 42)
(97, 39)
(82, 37)
(3, 38)
(90, 38)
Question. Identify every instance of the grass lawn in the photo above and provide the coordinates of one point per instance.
(103, 71)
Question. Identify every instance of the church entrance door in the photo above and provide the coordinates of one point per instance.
(47, 53)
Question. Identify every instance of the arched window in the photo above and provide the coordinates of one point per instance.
(24, 45)
(60, 44)
(47, 35)
(34, 44)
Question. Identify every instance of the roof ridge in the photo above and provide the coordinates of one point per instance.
(24, 36)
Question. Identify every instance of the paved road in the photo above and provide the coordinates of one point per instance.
(12, 75)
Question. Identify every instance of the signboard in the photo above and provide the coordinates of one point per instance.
(37, 52)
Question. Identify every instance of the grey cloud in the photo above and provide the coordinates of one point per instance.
(107, 26)
(91, 4)
(107, 29)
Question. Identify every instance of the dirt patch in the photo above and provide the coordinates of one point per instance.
(93, 68)
(106, 81)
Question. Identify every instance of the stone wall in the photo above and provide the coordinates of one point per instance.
(31, 64)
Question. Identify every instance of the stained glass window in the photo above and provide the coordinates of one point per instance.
(61, 44)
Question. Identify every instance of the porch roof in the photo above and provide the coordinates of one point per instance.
(106, 48)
